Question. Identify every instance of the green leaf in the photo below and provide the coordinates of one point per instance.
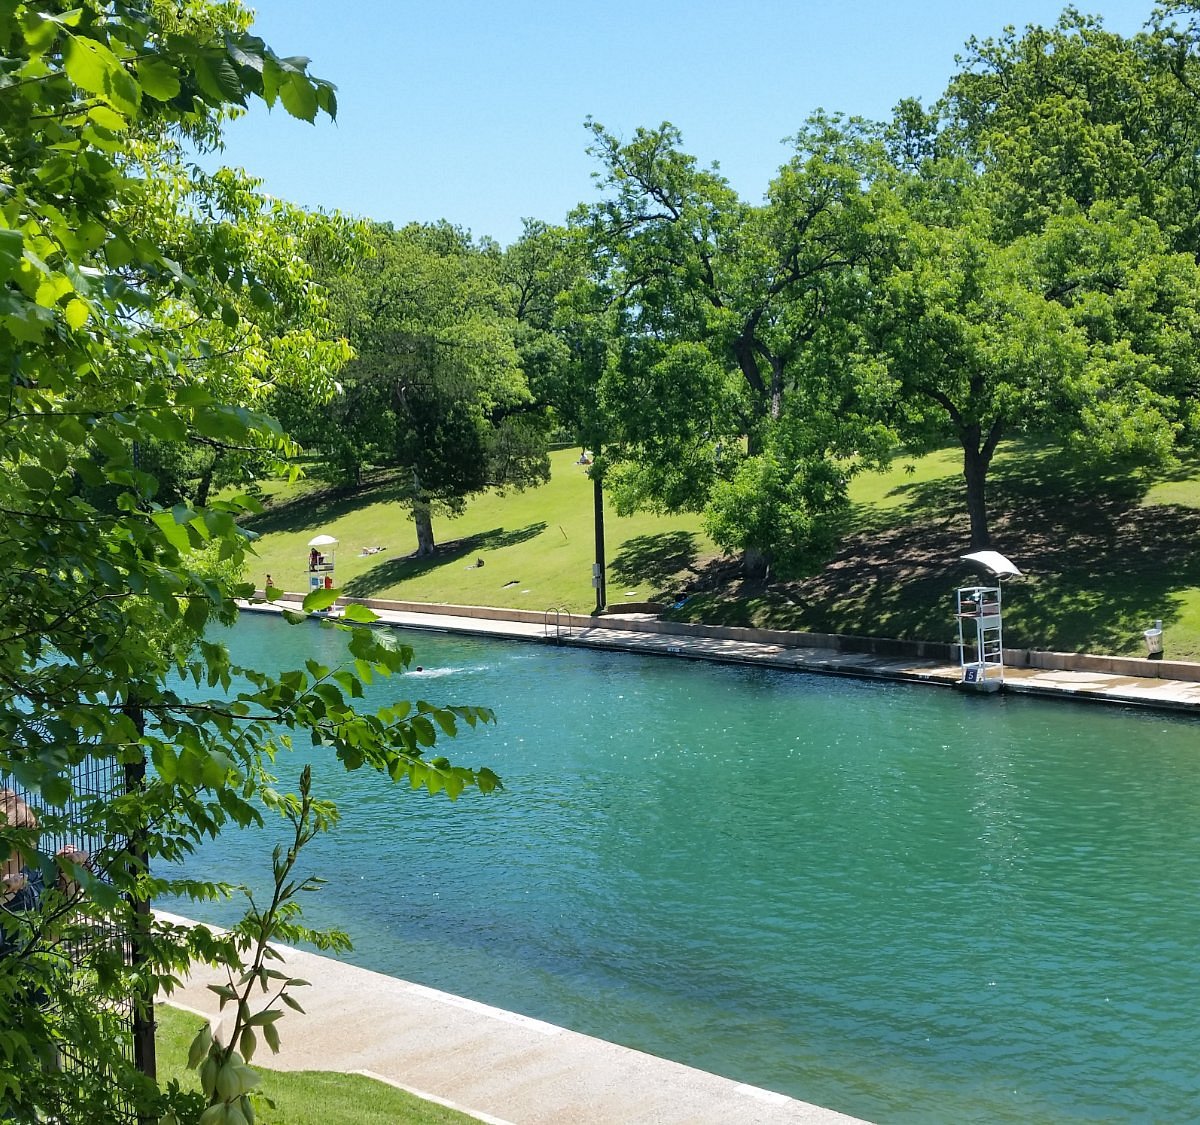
(76, 313)
(108, 118)
(40, 32)
(272, 76)
(173, 532)
(423, 729)
(51, 288)
(359, 613)
(165, 763)
(12, 246)
(320, 599)
(159, 78)
(200, 1046)
(195, 617)
(94, 68)
(221, 422)
(298, 96)
(247, 53)
(56, 790)
(218, 78)
(327, 98)
(36, 477)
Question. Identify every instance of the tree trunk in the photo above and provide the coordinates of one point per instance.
(598, 504)
(423, 518)
(144, 1048)
(977, 458)
(205, 484)
(756, 565)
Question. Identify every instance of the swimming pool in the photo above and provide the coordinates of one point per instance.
(906, 904)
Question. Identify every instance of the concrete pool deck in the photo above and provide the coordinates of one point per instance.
(624, 634)
(497, 1066)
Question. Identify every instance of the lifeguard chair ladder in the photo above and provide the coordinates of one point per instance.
(981, 636)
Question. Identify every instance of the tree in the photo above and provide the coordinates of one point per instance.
(1037, 288)
(973, 348)
(117, 312)
(732, 322)
(436, 391)
(1075, 114)
(565, 336)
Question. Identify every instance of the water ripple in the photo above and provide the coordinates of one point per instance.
(911, 905)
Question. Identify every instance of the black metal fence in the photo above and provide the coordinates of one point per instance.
(126, 1021)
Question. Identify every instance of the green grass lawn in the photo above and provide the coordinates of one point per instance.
(1105, 553)
(537, 546)
(304, 1097)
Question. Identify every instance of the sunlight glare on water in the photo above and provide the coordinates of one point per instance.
(907, 904)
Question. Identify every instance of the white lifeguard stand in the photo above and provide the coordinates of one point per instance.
(980, 614)
(322, 551)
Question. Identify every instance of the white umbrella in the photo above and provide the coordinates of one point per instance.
(992, 561)
(322, 541)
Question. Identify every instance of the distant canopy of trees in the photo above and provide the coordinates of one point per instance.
(1019, 257)
(436, 392)
(726, 389)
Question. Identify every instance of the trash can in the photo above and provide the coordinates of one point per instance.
(1154, 641)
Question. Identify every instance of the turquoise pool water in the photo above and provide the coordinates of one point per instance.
(904, 903)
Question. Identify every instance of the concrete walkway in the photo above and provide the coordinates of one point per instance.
(497, 1066)
(1094, 686)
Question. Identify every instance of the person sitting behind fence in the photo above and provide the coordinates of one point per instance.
(22, 887)
(22, 884)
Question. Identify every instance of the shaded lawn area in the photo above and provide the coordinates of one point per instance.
(660, 559)
(302, 1097)
(1104, 555)
(395, 572)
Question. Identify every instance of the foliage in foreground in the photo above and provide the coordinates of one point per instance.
(146, 305)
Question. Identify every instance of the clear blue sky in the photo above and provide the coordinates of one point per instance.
(473, 111)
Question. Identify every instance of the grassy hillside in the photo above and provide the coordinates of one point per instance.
(537, 547)
(1104, 554)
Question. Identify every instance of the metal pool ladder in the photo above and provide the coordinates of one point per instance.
(558, 624)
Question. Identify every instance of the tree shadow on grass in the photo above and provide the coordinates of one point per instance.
(1026, 474)
(655, 559)
(394, 571)
(1099, 566)
(315, 509)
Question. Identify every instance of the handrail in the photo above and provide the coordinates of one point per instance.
(559, 612)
